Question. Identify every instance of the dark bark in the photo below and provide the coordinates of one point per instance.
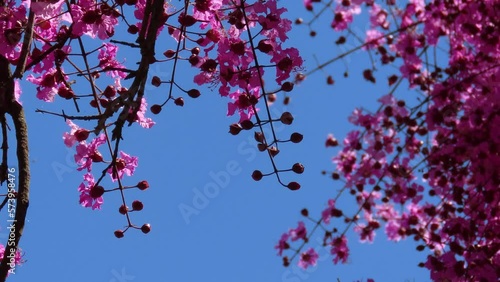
(10, 106)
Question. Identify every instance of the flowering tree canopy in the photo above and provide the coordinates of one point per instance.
(435, 154)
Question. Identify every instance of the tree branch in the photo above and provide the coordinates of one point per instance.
(16, 111)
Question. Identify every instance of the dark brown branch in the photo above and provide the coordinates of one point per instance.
(4, 202)
(133, 45)
(16, 111)
(28, 37)
(65, 116)
(153, 13)
(5, 149)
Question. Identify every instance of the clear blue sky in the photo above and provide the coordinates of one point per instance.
(232, 237)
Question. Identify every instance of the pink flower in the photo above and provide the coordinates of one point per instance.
(107, 61)
(378, 17)
(374, 38)
(69, 138)
(287, 61)
(344, 16)
(48, 84)
(85, 199)
(282, 244)
(298, 233)
(12, 17)
(125, 165)
(242, 104)
(443, 268)
(46, 10)
(327, 213)
(308, 258)
(93, 22)
(86, 154)
(141, 115)
(366, 233)
(204, 11)
(339, 250)
(48, 61)
(308, 4)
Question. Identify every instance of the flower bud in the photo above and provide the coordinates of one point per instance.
(123, 209)
(81, 135)
(286, 101)
(194, 60)
(109, 92)
(146, 228)
(296, 137)
(195, 51)
(143, 185)
(259, 137)
(286, 118)
(187, 20)
(329, 80)
(133, 29)
(304, 212)
(96, 157)
(257, 175)
(273, 151)
(247, 124)
(194, 93)
(287, 86)
(235, 128)
(293, 186)
(156, 109)
(137, 205)
(298, 168)
(265, 47)
(331, 142)
(262, 147)
(156, 81)
(96, 192)
(65, 93)
(169, 53)
(368, 75)
(179, 102)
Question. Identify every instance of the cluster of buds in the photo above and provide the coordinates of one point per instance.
(136, 206)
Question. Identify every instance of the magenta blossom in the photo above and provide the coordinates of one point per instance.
(339, 250)
(86, 154)
(47, 84)
(85, 199)
(327, 213)
(283, 244)
(141, 115)
(126, 164)
(299, 233)
(308, 258)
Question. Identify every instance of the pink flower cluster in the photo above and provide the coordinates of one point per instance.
(437, 157)
(235, 65)
(308, 258)
(338, 245)
(12, 18)
(88, 154)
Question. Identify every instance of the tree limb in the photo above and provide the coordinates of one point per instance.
(16, 111)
